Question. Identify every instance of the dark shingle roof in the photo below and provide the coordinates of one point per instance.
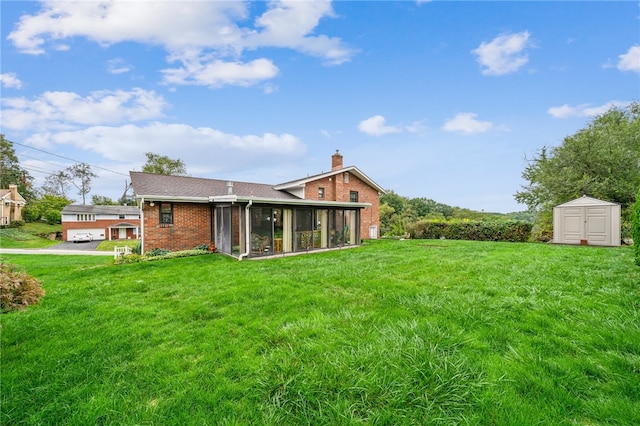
(149, 185)
(82, 209)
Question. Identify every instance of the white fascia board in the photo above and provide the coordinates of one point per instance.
(170, 198)
(300, 202)
(239, 199)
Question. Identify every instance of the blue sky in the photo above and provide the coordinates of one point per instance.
(443, 100)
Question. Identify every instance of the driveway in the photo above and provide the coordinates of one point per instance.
(70, 245)
(65, 247)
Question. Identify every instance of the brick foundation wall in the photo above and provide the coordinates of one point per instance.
(191, 227)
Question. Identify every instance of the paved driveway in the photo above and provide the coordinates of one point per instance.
(70, 245)
(65, 247)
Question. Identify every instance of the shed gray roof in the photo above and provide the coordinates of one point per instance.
(150, 185)
(83, 209)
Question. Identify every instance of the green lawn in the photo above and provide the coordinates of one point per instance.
(392, 333)
(28, 236)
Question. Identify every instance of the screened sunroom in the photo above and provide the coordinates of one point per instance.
(257, 229)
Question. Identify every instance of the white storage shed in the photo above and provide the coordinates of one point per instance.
(587, 221)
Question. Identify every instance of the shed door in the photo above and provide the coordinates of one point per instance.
(572, 225)
(598, 222)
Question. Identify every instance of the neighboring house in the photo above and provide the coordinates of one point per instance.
(329, 210)
(11, 205)
(102, 222)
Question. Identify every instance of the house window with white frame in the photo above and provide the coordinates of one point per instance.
(86, 217)
(320, 193)
(353, 196)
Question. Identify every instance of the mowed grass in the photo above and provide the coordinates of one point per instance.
(27, 236)
(392, 333)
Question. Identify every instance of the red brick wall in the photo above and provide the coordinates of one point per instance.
(335, 189)
(191, 227)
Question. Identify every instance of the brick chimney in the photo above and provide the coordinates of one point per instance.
(14, 192)
(336, 161)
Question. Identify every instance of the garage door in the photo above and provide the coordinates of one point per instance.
(98, 233)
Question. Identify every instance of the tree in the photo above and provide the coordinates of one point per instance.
(57, 184)
(11, 173)
(81, 176)
(101, 200)
(163, 165)
(48, 208)
(601, 161)
(394, 200)
(635, 229)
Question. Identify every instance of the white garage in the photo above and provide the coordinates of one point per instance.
(97, 233)
(587, 220)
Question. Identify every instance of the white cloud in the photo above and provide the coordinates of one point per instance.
(203, 148)
(67, 110)
(206, 37)
(375, 126)
(584, 110)
(289, 23)
(504, 54)
(10, 80)
(466, 122)
(630, 61)
(219, 73)
(118, 66)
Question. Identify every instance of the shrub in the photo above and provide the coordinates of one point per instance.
(52, 217)
(542, 231)
(158, 252)
(129, 258)
(17, 289)
(515, 231)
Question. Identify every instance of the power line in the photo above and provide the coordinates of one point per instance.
(70, 159)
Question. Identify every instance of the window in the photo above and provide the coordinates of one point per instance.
(86, 217)
(346, 177)
(166, 214)
(121, 216)
(353, 196)
(320, 193)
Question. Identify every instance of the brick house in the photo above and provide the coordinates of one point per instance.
(102, 222)
(330, 210)
(11, 205)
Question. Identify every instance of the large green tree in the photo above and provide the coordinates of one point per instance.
(601, 161)
(163, 165)
(11, 172)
